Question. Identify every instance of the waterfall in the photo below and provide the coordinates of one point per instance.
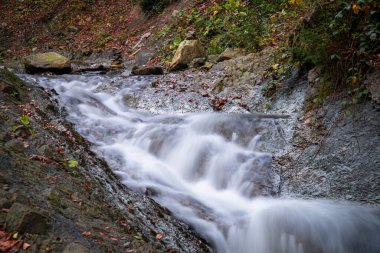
(211, 171)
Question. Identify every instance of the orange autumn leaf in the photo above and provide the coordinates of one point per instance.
(356, 8)
(102, 234)
(112, 238)
(86, 233)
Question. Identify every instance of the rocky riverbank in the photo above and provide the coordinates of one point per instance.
(57, 196)
(327, 149)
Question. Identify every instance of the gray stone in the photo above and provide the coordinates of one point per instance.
(24, 219)
(47, 62)
(191, 35)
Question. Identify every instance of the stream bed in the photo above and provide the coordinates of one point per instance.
(212, 170)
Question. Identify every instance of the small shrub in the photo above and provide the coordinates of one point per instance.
(343, 37)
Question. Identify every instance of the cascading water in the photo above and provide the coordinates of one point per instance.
(206, 168)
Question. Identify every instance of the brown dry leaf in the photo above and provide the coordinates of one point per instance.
(86, 233)
(112, 238)
(102, 234)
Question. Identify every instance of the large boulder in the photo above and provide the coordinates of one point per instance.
(47, 62)
(187, 51)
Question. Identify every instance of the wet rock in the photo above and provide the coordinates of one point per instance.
(47, 62)
(373, 85)
(149, 70)
(186, 52)
(101, 61)
(76, 248)
(231, 53)
(27, 220)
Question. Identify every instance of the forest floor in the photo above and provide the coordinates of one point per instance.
(78, 26)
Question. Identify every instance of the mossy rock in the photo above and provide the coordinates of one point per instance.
(27, 220)
(11, 84)
(47, 62)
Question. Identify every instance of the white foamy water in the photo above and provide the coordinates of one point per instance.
(206, 168)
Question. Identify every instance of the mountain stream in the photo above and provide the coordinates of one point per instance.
(209, 169)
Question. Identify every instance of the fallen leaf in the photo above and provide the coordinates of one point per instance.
(356, 8)
(102, 234)
(72, 164)
(86, 233)
(25, 246)
(112, 238)
(307, 121)
(15, 235)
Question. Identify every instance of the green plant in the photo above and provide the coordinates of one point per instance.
(341, 36)
(25, 124)
(72, 164)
